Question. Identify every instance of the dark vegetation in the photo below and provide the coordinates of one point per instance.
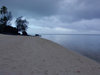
(5, 23)
(38, 35)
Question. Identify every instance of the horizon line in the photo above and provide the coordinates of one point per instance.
(69, 34)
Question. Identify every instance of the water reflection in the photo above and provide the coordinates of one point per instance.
(88, 45)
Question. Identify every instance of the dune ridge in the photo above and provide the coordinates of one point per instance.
(26, 55)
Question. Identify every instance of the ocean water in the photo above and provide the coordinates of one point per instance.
(87, 45)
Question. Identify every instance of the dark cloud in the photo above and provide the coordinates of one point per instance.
(79, 15)
(68, 10)
(40, 7)
(74, 10)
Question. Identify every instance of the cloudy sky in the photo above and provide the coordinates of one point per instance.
(57, 16)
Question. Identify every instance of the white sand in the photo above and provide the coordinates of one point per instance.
(22, 55)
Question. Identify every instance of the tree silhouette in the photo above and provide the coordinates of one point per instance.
(21, 25)
(5, 18)
(5, 26)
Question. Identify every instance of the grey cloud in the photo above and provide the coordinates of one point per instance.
(80, 15)
(40, 7)
(68, 10)
(53, 22)
(74, 10)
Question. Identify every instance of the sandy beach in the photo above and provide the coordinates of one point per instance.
(26, 55)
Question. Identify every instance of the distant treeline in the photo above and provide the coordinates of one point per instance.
(5, 23)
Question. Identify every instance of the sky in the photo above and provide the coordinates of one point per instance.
(57, 16)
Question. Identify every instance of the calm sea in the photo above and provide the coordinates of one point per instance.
(87, 45)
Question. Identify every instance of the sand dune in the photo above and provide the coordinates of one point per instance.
(25, 55)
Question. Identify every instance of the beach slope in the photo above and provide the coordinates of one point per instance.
(26, 55)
